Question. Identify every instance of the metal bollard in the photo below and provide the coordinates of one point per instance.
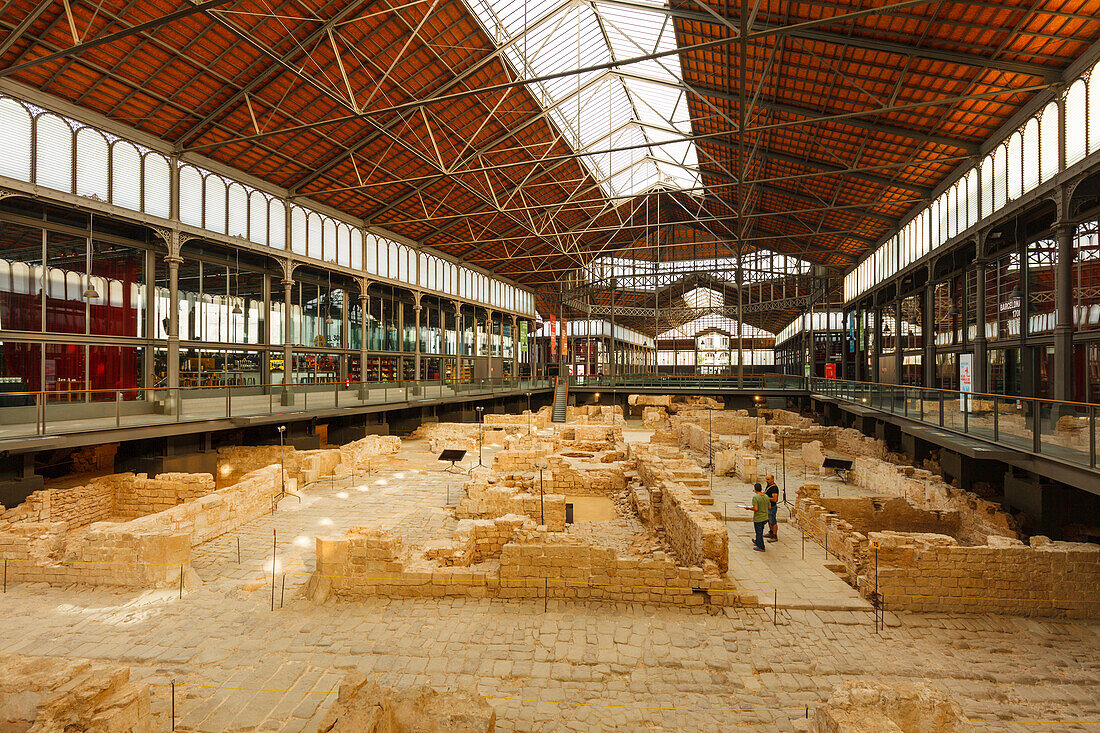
(118, 409)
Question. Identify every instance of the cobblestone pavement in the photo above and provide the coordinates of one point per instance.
(572, 667)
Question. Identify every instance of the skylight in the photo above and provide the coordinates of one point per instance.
(630, 123)
(704, 298)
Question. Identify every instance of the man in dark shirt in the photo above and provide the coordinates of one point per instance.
(772, 492)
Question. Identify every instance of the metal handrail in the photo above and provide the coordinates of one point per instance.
(956, 393)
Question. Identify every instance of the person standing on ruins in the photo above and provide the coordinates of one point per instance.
(772, 492)
(759, 511)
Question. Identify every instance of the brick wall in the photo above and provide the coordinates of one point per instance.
(491, 497)
(141, 495)
(935, 574)
(671, 482)
(533, 564)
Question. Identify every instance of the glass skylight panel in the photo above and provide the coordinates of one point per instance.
(635, 105)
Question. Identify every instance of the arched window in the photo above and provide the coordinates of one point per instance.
(1049, 133)
(257, 217)
(156, 194)
(1000, 177)
(315, 236)
(356, 248)
(422, 270)
(343, 245)
(1077, 121)
(971, 198)
(987, 185)
(215, 204)
(53, 165)
(238, 211)
(298, 229)
(1094, 109)
(1015, 162)
(16, 123)
(329, 241)
(191, 196)
(1030, 155)
(276, 224)
(372, 254)
(125, 175)
(92, 163)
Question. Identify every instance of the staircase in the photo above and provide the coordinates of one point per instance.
(561, 395)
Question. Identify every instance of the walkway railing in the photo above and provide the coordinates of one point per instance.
(1054, 428)
(28, 414)
(682, 382)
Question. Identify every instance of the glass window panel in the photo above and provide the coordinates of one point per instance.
(298, 230)
(191, 196)
(238, 211)
(54, 153)
(1076, 122)
(314, 236)
(92, 164)
(20, 277)
(1094, 109)
(214, 215)
(157, 185)
(257, 217)
(66, 283)
(1000, 177)
(1031, 155)
(277, 224)
(356, 251)
(1015, 163)
(125, 176)
(1049, 134)
(16, 123)
(120, 308)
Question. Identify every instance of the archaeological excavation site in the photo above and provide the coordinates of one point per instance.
(549, 366)
(506, 570)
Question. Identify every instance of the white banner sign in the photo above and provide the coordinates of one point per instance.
(966, 380)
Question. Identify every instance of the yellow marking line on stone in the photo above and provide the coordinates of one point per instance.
(88, 562)
(641, 707)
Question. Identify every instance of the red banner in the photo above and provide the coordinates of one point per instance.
(553, 335)
(830, 371)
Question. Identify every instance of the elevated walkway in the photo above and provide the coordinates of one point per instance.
(41, 423)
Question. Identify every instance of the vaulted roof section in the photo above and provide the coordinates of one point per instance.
(530, 145)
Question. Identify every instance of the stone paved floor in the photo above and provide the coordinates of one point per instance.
(239, 666)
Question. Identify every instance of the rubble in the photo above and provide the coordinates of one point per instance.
(47, 694)
(363, 706)
(863, 706)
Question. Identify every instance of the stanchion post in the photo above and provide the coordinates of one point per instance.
(5, 575)
(775, 606)
(545, 594)
(803, 543)
(878, 596)
(238, 550)
(173, 704)
(282, 593)
(181, 581)
(273, 540)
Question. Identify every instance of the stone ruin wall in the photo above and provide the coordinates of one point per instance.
(594, 415)
(691, 530)
(537, 420)
(532, 564)
(926, 568)
(488, 497)
(933, 573)
(149, 551)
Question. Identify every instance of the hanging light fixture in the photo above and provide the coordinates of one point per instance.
(90, 293)
(328, 302)
(237, 310)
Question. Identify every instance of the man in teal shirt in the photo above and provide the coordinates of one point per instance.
(759, 511)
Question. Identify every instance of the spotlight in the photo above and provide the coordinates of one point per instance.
(90, 293)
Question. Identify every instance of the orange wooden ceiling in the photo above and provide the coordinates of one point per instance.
(483, 175)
